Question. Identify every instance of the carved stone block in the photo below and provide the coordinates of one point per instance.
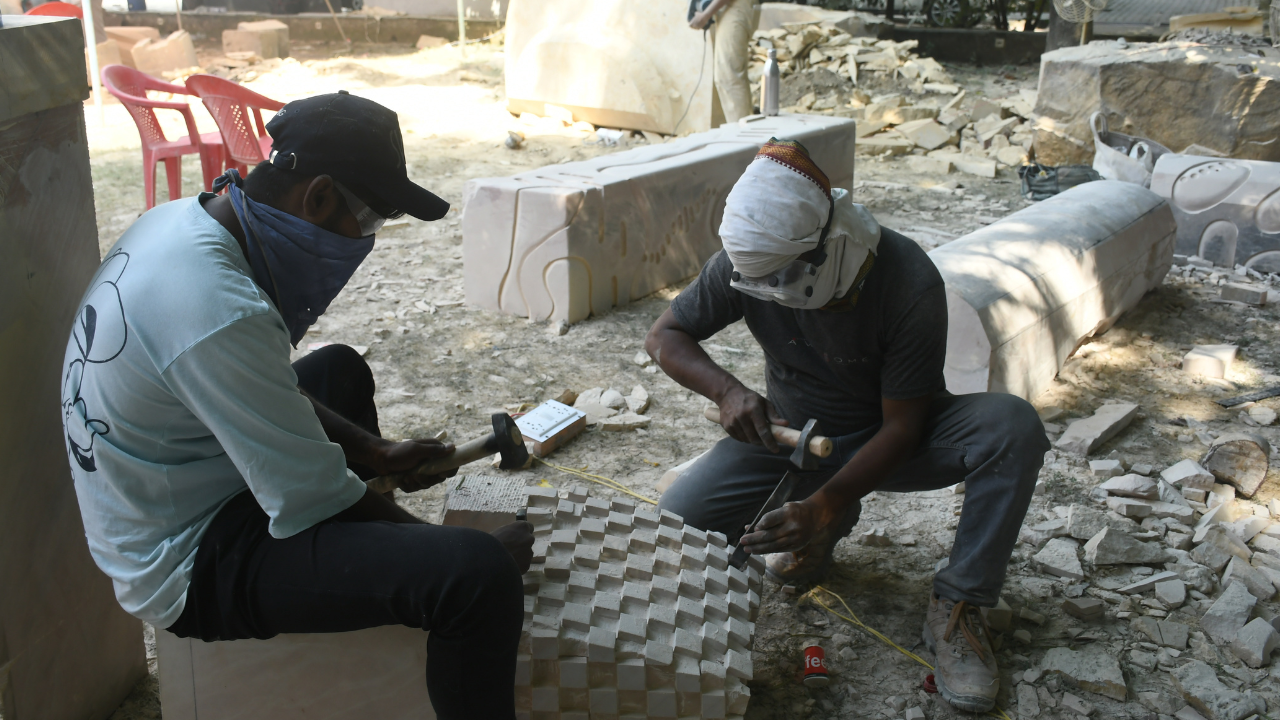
(1228, 211)
(565, 241)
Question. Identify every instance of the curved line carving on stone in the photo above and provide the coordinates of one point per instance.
(1265, 262)
(1203, 186)
(1218, 242)
(1267, 215)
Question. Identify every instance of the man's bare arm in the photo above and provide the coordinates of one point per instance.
(744, 414)
(794, 525)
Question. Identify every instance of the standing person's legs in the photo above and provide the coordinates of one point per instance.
(459, 584)
(732, 38)
(338, 378)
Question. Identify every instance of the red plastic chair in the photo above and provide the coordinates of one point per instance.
(231, 106)
(57, 9)
(130, 87)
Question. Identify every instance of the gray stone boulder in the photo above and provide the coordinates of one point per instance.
(1174, 93)
(1202, 689)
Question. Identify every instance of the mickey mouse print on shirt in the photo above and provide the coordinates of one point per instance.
(99, 334)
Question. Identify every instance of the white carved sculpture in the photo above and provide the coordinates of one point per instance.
(632, 613)
(632, 64)
(565, 241)
(1024, 292)
(1228, 211)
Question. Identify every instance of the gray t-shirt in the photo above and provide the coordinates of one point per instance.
(837, 365)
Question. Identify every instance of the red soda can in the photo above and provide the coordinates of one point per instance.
(815, 666)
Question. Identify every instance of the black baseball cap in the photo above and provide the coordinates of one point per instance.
(358, 142)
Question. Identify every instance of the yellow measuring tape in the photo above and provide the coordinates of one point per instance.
(599, 480)
(852, 619)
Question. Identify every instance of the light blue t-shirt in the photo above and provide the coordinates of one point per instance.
(178, 394)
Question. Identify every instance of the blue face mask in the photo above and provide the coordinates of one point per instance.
(301, 266)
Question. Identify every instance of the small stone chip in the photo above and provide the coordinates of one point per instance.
(1085, 608)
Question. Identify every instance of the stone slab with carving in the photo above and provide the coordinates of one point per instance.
(1228, 211)
(565, 241)
(67, 649)
(632, 64)
(1022, 293)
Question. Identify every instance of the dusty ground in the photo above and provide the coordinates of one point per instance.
(448, 368)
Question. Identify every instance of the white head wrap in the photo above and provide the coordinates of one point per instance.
(777, 211)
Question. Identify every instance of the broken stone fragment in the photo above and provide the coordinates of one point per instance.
(1060, 557)
(638, 400)
(1254, 643)
(1113, 547)
(1229, 613)
(875, 537)
(1201, 688)
(1087, 434)
(1076, 705)
(1222, 537)
(1132, 486)
(1028, 701)
(623, 422)
(1084, 608)
(1259, 585)
(1163, 632)
(1239, 460)
(1128, 507)
(1247, 294)
(1037, 535)
(1188, 474)
(1147, 583)
(1161, 702)
(642, 359)
(1084, 523)
(1092, 669)
(613, 399)
(1173, 593)
(1000, 617)
(1106, 468)
(1209, 360)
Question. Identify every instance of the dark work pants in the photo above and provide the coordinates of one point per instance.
(459, 584)
(994, 443)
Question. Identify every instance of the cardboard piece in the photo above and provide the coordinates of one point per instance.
(565, 241)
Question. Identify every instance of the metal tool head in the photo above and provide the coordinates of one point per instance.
(781, 494)
(803, 457)
(509, 443)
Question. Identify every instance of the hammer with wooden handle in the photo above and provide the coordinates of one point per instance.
(505, 439)
(809, 445)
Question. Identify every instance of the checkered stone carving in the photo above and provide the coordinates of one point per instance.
(629, 614)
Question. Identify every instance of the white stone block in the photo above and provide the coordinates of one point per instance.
(624, 64)
(344, 676)
(565, 241)
(1023, 292)
(1209, 360)
(482, 502)
(1228, 210)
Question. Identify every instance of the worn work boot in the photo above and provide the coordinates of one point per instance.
(810, 563)
(965, 669)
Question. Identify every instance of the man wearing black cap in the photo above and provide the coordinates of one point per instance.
(221, 487)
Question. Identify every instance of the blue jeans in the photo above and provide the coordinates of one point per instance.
(992, 442)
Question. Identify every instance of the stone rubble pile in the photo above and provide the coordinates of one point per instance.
(931, 120)
(1160, 589)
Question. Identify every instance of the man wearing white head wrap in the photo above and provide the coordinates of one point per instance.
(852, 319)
